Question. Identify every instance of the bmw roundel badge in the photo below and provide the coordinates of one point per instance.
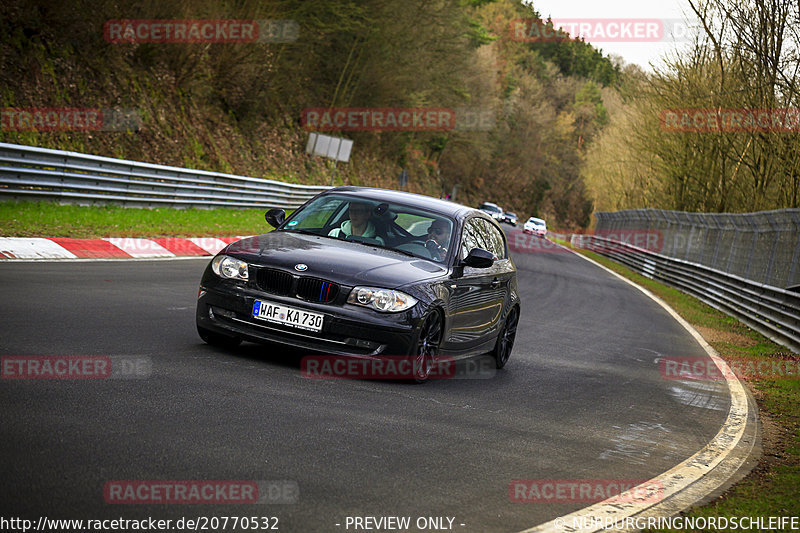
(301, 267)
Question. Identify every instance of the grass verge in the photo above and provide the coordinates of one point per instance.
(49, 219)
(772, 488)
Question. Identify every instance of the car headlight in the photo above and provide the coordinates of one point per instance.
(229, 267)
(385, 300)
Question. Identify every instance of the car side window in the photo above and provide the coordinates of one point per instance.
(475, 236)
(497, 244)
(469, 238)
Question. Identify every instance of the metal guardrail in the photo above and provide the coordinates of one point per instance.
(28, 172)
(772, 311)
(762, 246)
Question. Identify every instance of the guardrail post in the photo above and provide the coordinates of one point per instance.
(774, 250)
(718, 240)
(792, 281)
(753, 244)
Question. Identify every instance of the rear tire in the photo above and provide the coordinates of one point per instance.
(218, 339)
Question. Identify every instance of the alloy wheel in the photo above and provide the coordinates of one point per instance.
(430, 337)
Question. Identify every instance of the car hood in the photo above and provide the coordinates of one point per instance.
(344, 262)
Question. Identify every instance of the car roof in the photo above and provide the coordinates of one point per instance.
(444, 207)
(534, 219)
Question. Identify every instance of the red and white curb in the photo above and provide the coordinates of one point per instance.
(110, 248)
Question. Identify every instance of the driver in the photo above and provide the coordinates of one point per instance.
(359, 224)
(438, 238)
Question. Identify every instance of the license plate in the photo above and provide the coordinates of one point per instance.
(281, 314)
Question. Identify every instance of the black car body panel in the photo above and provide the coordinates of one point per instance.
(351, 263)
(473, 302)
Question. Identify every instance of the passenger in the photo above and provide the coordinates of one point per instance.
(438, 239)
(359, 224)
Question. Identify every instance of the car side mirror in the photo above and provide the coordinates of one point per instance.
(275, 217)
(479, 258)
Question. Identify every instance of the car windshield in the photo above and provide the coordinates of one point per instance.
(493, 208)
(389, 225)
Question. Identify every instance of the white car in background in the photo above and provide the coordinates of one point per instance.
(537, 226)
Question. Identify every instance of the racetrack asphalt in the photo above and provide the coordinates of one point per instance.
(582, 398)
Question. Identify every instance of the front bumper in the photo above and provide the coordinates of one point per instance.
(538, 233)
(347, 330)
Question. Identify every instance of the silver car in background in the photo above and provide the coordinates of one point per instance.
(493, 210)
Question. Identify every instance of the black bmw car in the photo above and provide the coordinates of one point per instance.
(368, 273)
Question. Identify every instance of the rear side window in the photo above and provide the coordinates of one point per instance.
(495, 239)
(472, 237)
(480, 233)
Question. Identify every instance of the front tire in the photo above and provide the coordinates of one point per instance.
(430, 337)
(505, 341)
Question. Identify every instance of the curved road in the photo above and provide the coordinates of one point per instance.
(581, 398)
